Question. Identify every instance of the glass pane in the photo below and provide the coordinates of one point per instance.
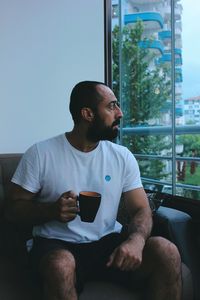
(188, 193)
(155, 77)
(140, 64)
(188, 172)
(148, 144)
(191, 63)
(188, 145)
(187, 86)
(142, 82)
(157, 169)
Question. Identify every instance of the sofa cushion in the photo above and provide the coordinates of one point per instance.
(108, 291)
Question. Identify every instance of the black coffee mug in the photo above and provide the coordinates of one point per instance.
(89, 203)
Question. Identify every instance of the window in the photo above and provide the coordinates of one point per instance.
(153, 77)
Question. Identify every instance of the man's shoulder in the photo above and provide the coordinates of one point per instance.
(49, 142)
(55, 139)
(117, 148)
(46, 144)
(114, 145)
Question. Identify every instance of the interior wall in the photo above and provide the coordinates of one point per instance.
(46, 48)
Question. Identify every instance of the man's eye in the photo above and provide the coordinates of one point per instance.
(113, 105)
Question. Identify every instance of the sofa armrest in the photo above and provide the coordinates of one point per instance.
(175, 225)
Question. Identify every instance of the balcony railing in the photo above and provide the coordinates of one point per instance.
(166, 34)
(165, 130)
(152, 44)
(144, 16)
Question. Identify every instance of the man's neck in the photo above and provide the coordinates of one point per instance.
(78, 140)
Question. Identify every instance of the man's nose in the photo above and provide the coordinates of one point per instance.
(119, 112)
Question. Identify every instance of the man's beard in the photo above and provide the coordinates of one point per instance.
(98, 131)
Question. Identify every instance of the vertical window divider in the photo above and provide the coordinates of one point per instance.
(120, 67)
(173, 97)
(107, 41)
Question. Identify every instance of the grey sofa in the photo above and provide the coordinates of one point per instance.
(16, 282)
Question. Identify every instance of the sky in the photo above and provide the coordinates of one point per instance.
(191, 48)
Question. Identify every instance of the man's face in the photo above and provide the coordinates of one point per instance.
(107, 117)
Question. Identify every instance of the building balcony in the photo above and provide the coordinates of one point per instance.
(157, 45)
(167, 57)
(178, 12)
(166, 34)
(179, 111)
(178, 75)
(178, 51)
(178, 89)
(154, 19)
(166, 12)
(178, 56)
(178, 26)
(178, 43)
(178, 61)
(178, 32)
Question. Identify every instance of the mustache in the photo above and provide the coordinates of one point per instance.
(117, 122)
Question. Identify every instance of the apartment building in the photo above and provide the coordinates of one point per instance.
(192, 111)
(156, 17)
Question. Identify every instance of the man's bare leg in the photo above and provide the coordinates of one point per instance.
(162, 267)
(58, 273)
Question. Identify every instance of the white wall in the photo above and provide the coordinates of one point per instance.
(47, 46)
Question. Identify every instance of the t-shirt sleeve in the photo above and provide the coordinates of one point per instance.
(27, 174)
(132, 179)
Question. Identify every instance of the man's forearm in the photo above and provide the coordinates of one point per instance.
(141, 224)
(31, 213)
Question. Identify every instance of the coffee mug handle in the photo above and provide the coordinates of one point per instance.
(77, 201)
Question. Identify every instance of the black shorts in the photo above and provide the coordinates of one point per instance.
(91, 258)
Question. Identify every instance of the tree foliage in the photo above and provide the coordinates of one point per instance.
(145, 85)
(144, 91)
(191, 144)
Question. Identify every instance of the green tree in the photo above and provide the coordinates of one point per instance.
(190, 144)
(145, 84)
(145, 89)
(191, 148)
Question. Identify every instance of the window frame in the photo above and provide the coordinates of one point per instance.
(172, 130)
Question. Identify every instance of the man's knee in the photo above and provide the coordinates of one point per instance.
(58, 263)
(165, 253)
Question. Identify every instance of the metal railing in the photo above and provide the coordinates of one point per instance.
(164, 130)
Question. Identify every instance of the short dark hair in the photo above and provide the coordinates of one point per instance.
(84, 94)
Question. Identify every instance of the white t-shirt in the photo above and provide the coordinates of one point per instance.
(54, 166)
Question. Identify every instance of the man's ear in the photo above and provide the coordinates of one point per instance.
(87, 114)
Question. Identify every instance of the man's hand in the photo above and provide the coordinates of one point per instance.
(128, 256)
(66, 208)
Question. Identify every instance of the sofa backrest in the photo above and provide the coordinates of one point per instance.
(8, 165)
(12, 236)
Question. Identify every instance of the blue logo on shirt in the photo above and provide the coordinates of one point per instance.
(107, 178)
